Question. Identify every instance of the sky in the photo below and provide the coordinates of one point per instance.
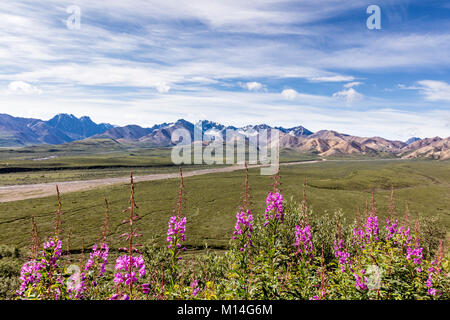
(283, 63)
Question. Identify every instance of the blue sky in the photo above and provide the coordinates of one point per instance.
(288, 63)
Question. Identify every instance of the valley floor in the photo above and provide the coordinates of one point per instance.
(40, 190)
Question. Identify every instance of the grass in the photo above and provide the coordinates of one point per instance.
(212, 200)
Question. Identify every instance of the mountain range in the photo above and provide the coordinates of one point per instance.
(64, 128)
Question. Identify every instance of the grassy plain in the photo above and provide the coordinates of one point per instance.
(94, 159)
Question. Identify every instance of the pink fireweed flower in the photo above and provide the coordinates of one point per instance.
(98, 257)
(194, 285)
(341, 254)
(360, 281)
(432, 292)
(415, 253)
(243, 229)
(367, 233)
(145, 288)
(274, 208)
(303, 242)
(29, 275)
(126, 263)
(94, 268)
(371, 227)
(32, 272)
(52, 252)
(77, 285)
(176, 232)
(433, 271)
(404, 236)
(391, 228)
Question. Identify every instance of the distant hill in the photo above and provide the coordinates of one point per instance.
(63, 128)
(411, 140)
(75, 128)
(431, 148)
(126, 133)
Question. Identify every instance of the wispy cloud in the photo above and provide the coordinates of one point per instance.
(352, 84)
(435, 90)
(337, 78)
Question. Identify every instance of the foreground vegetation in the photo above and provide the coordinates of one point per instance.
(284, 251)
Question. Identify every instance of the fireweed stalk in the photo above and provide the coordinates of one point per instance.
(274, 216)
(94, 268)
(363, 236)
(303, 243)
(303, 240)
(322, 288)
(34, 238)
(29, 273)
(366, 234)
(274, 209)
(49, 261)
(242, 237)
(339, 250)
(175, 237)
(434, 272)
(408, 243)
(176, 233)
(243, 228)
(342, 255)
(129, 268)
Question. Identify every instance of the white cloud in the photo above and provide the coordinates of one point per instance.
(162, 88)
(252, 86)
(350, 95)
(289, 94)
(434, 90)
(352, 84)
(21, 87)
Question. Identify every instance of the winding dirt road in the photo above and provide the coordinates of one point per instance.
(33, 191)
